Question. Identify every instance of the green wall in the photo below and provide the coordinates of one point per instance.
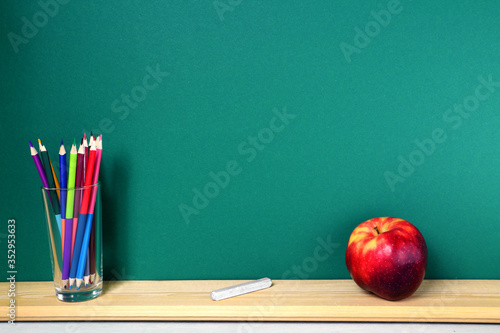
(323, 114)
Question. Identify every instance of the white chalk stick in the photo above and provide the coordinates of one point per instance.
(240, 289)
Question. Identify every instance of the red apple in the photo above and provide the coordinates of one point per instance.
(387, 256)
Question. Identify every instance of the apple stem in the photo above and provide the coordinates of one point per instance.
(378, 232)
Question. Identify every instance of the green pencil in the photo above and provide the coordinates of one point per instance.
(71, 182)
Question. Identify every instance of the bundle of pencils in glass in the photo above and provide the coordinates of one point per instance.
(72, 191)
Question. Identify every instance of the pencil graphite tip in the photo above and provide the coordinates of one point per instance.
(81, 149)
(62, 151)
(40, 145)
(74, 142)
(73, 149)
(31, 145)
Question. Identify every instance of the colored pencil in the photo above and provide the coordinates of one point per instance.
(98, 241)
(82, 219)
(55, 235)
(69, 214)
(78, 194)
(56, 183)
(39, 166)
(92, 254)
(92, 248)
(85, 156)
(71, 181)
(41, 173)
(63, 177)
(40, 147)
(90, 215)
(70, 201)
(86, 274)
(50, 181)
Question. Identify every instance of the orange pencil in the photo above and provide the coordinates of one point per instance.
(55, 181)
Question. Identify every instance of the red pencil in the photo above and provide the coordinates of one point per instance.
(88, 180)
(92, 268)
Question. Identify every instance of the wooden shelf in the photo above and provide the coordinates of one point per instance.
(470, 301)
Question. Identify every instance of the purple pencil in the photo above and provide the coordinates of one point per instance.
(39, 166)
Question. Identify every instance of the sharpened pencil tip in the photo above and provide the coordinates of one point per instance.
(74, 142)
(31, 145)
(39, 141)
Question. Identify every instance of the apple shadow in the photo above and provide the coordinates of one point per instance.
(109, 286)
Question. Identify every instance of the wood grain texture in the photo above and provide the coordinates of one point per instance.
(471, 301)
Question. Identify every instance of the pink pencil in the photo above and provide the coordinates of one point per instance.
(95, 176)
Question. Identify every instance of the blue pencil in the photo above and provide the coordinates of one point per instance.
(82, 221)
(63, 176)
(82, 261)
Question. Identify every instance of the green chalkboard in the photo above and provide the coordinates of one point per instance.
(245, 139)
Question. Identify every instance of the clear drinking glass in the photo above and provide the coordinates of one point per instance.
(76, 243)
